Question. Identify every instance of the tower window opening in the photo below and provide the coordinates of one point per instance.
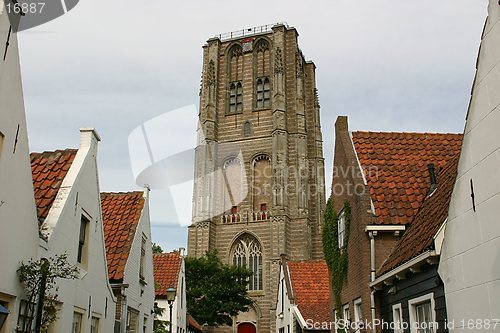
(263, 93)
(235, 97)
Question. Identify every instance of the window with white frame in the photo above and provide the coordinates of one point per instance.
(422, 314)
(358, 316)
(345, 312)
(397, 318)
(341, 230)
(77, 322)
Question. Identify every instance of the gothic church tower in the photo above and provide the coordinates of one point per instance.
(259, 174)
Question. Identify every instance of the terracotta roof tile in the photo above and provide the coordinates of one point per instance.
(49, 170)
(192, 323)
(166, 271)
(395, 167)
(420, 235)
(121, 213)
(311, 288)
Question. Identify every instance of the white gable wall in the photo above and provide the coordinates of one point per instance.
(91, 294)
(18, 220)
(138, 296)
(284, 308)
(471, 249)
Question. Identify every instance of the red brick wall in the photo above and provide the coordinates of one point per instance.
(348, 185)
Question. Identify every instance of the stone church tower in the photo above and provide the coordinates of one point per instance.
(259, 175)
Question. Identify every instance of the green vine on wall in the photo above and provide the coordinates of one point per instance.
(336, 259)
(31, 275)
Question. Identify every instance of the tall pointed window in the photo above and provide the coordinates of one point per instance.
(263, 93)
(235, 97)
(235, 79)
(262, 69)
(247, 253)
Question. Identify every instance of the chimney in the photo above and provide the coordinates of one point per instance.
(88, 137)
(432, 175)
(182, 251)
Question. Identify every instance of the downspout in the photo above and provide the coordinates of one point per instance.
(372, 235)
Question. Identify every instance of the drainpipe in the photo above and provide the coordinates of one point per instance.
(372, 235)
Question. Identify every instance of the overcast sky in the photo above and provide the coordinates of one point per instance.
(390, 65)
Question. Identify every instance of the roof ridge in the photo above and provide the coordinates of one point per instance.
(122, 193)
(409, 132)
(49, 152)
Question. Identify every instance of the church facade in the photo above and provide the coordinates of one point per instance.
(259, 168)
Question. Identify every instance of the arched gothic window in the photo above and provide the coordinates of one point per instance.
(247, 253)
(262, 73)
(233, 185)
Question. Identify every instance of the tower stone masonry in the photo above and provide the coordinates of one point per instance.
(259, 176)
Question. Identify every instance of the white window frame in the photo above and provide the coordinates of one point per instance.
(345, 313)
(412, 304)
(358, 315)
(397, 318)
(341, 230)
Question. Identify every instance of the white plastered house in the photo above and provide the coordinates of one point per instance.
(18, 223)
(127, 233)
(69, 212)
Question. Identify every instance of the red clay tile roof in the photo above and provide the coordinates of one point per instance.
(192, 323)
(420, 235)
(395, 166)
(311, 288)
(49, 169)
(121, 213)
(166, 271)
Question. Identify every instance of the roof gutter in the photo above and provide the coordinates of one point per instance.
(396, 228)
(405, 267)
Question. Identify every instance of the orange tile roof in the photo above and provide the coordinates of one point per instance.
(420, 235)
(49, 170)
(166, 271)
(121, 213)
(193, 324)
(311, 288)
(395, 167)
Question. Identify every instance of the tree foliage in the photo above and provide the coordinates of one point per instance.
(157, 248)
(215, 291)
(31, 275)
(336, 259)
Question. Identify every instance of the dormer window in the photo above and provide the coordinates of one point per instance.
(235, 97)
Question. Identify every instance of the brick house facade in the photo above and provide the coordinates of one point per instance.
(384, 178)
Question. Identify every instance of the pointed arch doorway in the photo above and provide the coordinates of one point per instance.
(246, 328)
